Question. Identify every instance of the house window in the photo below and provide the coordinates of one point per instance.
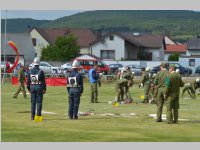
(111, 37)
(34, 41)
(108, 54)
(191, 62)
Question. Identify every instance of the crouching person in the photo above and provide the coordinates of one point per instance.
(75, 89)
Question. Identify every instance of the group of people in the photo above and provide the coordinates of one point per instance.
(162, 87)
(165, 87)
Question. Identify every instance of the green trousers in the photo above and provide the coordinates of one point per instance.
(119, 94)
(172, 104)
(146, 92)
(20, 88)
(160, 102)
(94, 92)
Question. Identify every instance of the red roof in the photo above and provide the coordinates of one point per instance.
(173, 48)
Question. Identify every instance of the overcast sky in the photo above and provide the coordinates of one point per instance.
(38, 14)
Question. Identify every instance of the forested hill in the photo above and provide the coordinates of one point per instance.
(20, 25)
(179, 24)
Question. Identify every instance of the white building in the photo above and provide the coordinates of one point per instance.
(128, 46)
(43, 37)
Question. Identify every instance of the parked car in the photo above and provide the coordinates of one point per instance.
(183, 70)
(87, 64)
(197, 71)
(137, 69)
(47, 68)
(115, 67)
(66, 66)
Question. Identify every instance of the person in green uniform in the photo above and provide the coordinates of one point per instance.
(21, 79)
(160, 89)
(129, 76)
(191, 88)
(119, 89)
(146, 83)
(172, 95)
(152, 89)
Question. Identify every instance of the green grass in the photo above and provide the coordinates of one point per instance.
(17, 126)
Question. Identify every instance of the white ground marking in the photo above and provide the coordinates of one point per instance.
(50, 113)
(164, 117)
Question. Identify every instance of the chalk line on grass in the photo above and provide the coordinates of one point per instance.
(164, 117)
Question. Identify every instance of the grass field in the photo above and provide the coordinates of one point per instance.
(17, 126)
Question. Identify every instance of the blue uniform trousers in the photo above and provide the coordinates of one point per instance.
(36, 99)
(74, 101)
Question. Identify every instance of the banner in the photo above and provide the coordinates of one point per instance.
(49, 81)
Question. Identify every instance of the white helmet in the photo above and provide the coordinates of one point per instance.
(36, 61)
(177, 70)
(197, 79)
(147, 69)
(75, 64)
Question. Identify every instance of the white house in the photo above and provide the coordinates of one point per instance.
(194, 47)
(128, 46)
(43, 37)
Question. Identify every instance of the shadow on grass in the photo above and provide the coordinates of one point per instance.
(27, 111)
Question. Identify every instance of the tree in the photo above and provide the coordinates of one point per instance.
(173, 57)
(64, 49)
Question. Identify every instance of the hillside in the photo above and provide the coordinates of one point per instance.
(20, 25)
(178, 24)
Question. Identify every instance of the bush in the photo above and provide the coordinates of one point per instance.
(173, 57)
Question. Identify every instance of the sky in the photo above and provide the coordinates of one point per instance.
(38, 14)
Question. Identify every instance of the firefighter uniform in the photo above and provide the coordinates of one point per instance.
(37, 86)
(21, 79)
(119, 89)
(75, 89)
(146, 82)
(94, 81)
(160, 90)
(191, 88)
(172, 94)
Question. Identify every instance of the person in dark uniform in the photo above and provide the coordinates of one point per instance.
(75, 90)
(37, 87)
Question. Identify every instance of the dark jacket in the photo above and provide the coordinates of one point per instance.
(41, 77)
(79, 77)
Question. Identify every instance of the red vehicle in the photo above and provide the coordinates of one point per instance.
(87, 62)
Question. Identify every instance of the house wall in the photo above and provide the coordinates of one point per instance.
(156, 56)
(84, 50)
(40, 42)
(117, 44)
(184, 61)
(193, 52)
(130, 51)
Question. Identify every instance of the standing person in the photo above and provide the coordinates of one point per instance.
(93, 79)
(75, 90)
(37, 87)
(160, 89)
(21, 79)
(127, 74)
(146, 82)
(172, 94)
